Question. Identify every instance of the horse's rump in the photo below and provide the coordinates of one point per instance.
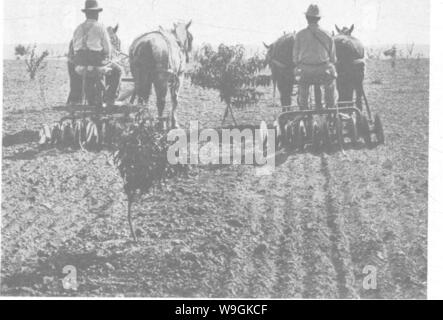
(282, 52)
(348, 49)
(157, 50)
(153, 53)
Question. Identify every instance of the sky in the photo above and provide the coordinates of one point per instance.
(377, 22)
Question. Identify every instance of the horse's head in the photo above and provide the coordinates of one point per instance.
(345, 30)
(115, 41)
(184, 37)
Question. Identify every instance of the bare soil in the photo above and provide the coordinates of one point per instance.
(306, 231)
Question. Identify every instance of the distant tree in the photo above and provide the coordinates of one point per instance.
(21, 51)
(34, 61)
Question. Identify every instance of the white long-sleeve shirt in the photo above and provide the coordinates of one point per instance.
(92, 35)
(310, 49)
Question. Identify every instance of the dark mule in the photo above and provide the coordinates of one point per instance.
(350, 65)
(158, 58)
(279, 59)
(75, 80)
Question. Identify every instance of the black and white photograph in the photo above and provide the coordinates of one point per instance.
(208, 149)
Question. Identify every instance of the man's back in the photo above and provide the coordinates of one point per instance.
(313, 46)
(91, 35)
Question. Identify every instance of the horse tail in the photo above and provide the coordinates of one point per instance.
(143, 69)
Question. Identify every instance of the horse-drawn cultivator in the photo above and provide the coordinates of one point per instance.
(84, 130)
(325, 127)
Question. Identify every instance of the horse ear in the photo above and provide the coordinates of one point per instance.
(115, 28)
(175, 26)
(188, 24)
(337, 28)
(352, 29)
(266, 46)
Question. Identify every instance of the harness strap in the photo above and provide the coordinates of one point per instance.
(321, 42)
(278, 63)
(86, 35)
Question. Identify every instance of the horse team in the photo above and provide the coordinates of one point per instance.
(158, 59)
(350, 67)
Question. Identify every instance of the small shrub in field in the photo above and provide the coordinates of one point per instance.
(231, 73)
(141, 159)
(34, 61)
(410, 50)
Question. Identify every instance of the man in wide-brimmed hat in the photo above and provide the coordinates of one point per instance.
(92, 47)
(314, 58)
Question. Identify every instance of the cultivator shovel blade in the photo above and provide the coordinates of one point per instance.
(67, 133)
(45, 135)
(56, 134)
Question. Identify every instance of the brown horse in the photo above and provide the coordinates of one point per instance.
(158, 58)
(350, 65)
(75, 80)
(279, 59)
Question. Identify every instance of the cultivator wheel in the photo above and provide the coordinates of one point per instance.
(378, 129)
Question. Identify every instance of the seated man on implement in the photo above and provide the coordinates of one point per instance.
(92, 47)
(314, 58)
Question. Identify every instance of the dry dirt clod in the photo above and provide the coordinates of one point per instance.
(109, 266)
(388, 165)
(234, 223)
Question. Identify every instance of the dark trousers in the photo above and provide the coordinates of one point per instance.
(318, 75)
(75, 85)
(91, 58)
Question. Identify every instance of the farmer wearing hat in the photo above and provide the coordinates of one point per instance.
(314, 58)
(92, 47)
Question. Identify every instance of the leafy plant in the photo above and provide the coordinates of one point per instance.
(34, 61)
(231, 73)
(141, 159)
